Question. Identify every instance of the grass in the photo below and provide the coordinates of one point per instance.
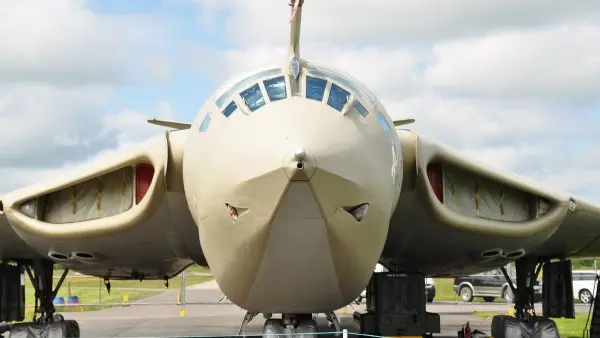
(91, 290)
(567, 328)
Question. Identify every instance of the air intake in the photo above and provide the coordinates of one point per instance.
(358, 212)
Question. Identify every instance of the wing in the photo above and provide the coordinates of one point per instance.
(456, 215)
(123, 216)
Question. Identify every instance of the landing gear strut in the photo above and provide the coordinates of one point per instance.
(525, 323)
(45, 318)
(42, 279)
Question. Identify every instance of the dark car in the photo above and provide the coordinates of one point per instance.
(489, 285)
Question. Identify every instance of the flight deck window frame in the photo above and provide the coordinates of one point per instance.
(383, 122)
(244, 84)
(276, 80)
(324, 89)
(360, 108)
(338, 88)
(258, 89)
(361, 100)
(229, 109)
(205, 124)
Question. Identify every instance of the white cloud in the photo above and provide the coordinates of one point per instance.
(42, 125)
(63, 42)
(390, 21)
(41, 160)
(132, 126)
(556, 62)
(60, 66)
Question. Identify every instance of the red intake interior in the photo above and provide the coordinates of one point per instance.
(436, 178)
(143, 179)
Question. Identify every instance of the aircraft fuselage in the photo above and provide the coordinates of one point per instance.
(292, 184)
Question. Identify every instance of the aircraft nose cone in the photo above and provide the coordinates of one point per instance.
(299, 164)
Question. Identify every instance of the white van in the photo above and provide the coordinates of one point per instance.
(584, 287)
(429, 286)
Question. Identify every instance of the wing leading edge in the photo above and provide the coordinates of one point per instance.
(471, 216)
(116, 216)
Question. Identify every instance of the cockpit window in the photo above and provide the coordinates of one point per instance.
(231, 107)
(253, 97)
(205, 123)
(223, 98)
(360, 108)
(315, 88)
(362, 93)
(276, 88)
(383, 122)
(338, 97)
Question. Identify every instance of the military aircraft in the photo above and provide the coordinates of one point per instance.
(291, 184)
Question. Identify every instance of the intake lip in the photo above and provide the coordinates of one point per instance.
(358, 211)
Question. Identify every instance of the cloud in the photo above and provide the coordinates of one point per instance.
(62, 67)
(551, 63)
(130, 126)
(95, 137)
(44, 126)
(63, 42)
(390, 21)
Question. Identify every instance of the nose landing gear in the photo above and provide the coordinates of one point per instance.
(291, 325)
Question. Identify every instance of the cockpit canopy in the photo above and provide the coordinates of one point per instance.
(314, 83)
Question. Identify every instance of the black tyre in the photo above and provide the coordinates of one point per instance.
(489, 299)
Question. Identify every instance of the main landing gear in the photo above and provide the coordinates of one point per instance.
(46, 322)
(296, 325)
(557, 300)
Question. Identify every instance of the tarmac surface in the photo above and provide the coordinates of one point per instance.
(225, 319)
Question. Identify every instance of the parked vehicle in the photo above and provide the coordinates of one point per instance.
(489, 285)
(429, 287)
(584, 285)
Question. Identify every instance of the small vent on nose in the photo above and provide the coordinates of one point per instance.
(234, 212)
(358, 211)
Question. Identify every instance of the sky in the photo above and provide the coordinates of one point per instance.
(510, 83)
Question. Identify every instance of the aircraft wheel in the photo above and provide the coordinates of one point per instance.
(466, 294)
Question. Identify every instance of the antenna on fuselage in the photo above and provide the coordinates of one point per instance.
(295, 25)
